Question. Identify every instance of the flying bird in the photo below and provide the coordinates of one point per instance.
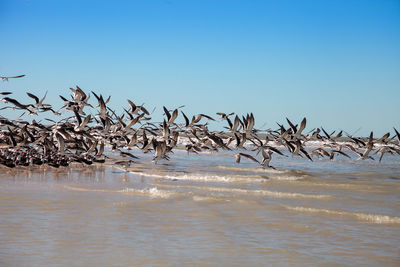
(5, 78)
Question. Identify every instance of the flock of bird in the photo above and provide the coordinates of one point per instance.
(91, 131)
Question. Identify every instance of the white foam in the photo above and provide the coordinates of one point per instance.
(207, 177)
(276, 174)
(198, 198)
(152, 192)
(202, 177)
(375, 218)
(269, 193)
(285, 177)
(257, 170)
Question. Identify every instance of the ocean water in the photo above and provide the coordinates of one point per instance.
(203, 209)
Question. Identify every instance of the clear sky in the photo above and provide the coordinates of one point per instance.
(335, 62)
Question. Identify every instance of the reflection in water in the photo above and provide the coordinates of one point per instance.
(202, 210)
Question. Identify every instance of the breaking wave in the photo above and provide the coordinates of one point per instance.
(219, 178)
(203, 177)
(269, 193)
(374, 218)
(153, 192)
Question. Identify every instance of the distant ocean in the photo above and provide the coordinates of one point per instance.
(203, 209)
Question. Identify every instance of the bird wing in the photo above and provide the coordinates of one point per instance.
(34, 97)
(249, 157)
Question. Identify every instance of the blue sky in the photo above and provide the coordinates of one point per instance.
(335, 62)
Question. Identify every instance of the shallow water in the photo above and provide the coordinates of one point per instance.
(203, 210)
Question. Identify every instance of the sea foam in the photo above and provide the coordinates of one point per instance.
(374, 218)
